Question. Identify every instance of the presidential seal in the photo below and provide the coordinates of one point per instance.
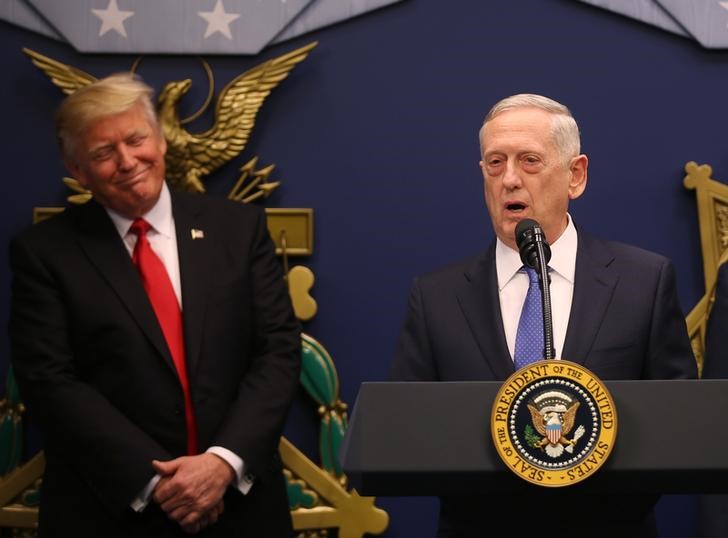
(553, 423)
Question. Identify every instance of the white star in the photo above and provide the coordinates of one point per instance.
(218, 20)
(112, 18)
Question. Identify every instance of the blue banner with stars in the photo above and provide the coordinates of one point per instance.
(179, 26)
(706, 21)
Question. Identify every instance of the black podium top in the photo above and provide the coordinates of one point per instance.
(434, 439)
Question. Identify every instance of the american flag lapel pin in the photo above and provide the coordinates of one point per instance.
(197, 234)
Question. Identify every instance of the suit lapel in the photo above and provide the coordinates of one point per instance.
(106, 251)
(594, 284)
(194, 255)
(480, 303)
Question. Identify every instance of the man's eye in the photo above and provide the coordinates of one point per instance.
(136, 140)
(101, 155)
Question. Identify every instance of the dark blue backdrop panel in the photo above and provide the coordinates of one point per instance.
(377, 131)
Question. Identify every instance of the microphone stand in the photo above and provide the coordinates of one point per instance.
(545, 284)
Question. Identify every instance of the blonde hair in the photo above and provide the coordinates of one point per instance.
(564, 129)
(108, 96)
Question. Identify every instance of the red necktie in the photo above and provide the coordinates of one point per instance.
(164, 303)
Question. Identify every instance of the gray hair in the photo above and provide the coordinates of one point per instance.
(563, 125)
(105, 97)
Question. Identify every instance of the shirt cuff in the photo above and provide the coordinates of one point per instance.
(244, 479)
(142, 500)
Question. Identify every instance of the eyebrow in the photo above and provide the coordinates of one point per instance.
(519, 152)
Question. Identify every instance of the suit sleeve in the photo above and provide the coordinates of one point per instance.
(413, 359)
(669, 355)
(107, 451)
(716, 342)
(254, 422)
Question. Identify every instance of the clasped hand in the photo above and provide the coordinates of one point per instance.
(191, 489)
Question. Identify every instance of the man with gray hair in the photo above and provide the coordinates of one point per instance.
(615, 308)
(153, 341)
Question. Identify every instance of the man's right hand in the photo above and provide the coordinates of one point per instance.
(191, 489)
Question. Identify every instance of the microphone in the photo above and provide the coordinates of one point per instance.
(536, 253)
(529, 236)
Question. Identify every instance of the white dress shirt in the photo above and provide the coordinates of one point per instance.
(512, 286)
(163, 240)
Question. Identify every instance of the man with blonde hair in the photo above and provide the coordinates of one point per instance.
(153, 340)
(615, 310)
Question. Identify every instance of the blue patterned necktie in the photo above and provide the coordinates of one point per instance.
(529, 338)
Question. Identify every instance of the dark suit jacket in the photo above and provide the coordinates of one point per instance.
(715, 364)
(625, 323)
(95, 372)
(713, 509)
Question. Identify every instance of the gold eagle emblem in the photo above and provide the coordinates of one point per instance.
(192, 156)
(554, 422)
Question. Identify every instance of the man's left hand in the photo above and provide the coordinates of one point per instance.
(191, 486)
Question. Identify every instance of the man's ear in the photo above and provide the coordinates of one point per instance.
(578, 176)
(75, 170)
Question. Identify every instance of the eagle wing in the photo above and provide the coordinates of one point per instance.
(537, 420)
(235, 112)
(66, 77)
(570, 418)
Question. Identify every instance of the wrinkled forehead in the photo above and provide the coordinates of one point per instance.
(518, 129)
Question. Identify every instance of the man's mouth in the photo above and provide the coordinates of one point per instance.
(130, 180)
(515, 207)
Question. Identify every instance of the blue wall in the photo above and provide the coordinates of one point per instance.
(376, 131)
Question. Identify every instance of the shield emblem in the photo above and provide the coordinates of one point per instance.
(553, 432)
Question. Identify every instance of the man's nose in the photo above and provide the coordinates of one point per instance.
(511, 177)
(126, 159)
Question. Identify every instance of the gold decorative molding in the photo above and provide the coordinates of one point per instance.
(292, 226)
(353, 515)
(711, 197)
(17, 509)
(300, 281)
(42, 213)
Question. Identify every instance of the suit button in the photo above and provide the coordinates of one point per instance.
(177, 411)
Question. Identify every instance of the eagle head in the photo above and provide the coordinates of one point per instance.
(171, 94)
(551, 418)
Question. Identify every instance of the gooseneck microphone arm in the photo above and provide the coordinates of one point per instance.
(536, 253)
(545, 284)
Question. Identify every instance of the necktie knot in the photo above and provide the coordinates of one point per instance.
(532, 275)
(140, 227)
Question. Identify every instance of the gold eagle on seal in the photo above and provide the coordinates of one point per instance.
(554, 423)
(192, 156)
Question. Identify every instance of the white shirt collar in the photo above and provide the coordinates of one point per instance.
(159, 216)
(563, 257)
